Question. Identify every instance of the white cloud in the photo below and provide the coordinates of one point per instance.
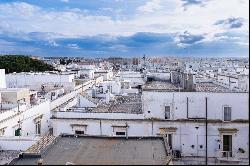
(160, 16)
(106, 9)
(150, 6)
(74, 46)
(65, 0)
(53, 43)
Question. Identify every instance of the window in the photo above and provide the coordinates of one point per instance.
(79, 129)
(100, 89)
(38, 127)
(227, 113)
(2, 131)
(18, 132)
(79, 132)
(110, 88)
(167, 112)
(119, 133)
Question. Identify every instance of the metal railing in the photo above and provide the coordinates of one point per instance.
(226, 154)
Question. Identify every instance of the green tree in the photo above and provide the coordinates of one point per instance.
(21, 63)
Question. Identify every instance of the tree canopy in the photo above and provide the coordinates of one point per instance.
(21, 63)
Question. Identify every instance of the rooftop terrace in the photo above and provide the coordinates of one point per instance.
(121, 104)
(210, 87)
(160, 85)
(102, 151)
(7, 156)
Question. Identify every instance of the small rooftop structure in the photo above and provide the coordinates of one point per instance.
(207, 86)
(121, 104)
(13, 95)
(210, 87)
(160, 85)
(102, 151)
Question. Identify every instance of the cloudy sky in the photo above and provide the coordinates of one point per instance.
(103, 28)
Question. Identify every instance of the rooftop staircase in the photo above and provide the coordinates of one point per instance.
(41, 145)
(169, 152)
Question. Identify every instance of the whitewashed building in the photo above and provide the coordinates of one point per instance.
(2, 78)
(25, 116)
(194, 123)
(35, 81)
(23, 119)
(134, 78)
(240, 81)
(107, 74)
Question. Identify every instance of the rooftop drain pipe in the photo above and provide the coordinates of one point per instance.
(126, 130)
(187, 109)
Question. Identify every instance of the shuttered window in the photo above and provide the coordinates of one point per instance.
(227, 113)
(18, 132)
(167, 112)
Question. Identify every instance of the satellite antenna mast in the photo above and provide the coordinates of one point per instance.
(144, 61)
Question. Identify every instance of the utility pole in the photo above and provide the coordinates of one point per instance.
(82, 87)
(206, 130)
(60, 78)
(144, 61)
(19, 121)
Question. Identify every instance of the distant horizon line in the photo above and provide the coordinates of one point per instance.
(120, 56)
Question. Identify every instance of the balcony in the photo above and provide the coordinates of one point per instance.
(227, 156)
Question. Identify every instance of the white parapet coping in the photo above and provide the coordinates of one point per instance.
(77, 115)
(17, 143)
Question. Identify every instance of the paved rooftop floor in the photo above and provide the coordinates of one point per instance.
(7, 156)
(103, 151)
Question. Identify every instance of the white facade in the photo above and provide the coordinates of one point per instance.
(86, 73)
(134, 78)
(107, 75)
(243, 82)
(232, 82)
(186, 123)
(54, 94)
(113, 87)
(36, 80)
(15, 95)
(21, 125)
(193, 104)
(31, 122)
(2, 78)
(185, 134)
(28, 119)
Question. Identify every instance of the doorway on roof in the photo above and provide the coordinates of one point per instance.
(169, 138)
